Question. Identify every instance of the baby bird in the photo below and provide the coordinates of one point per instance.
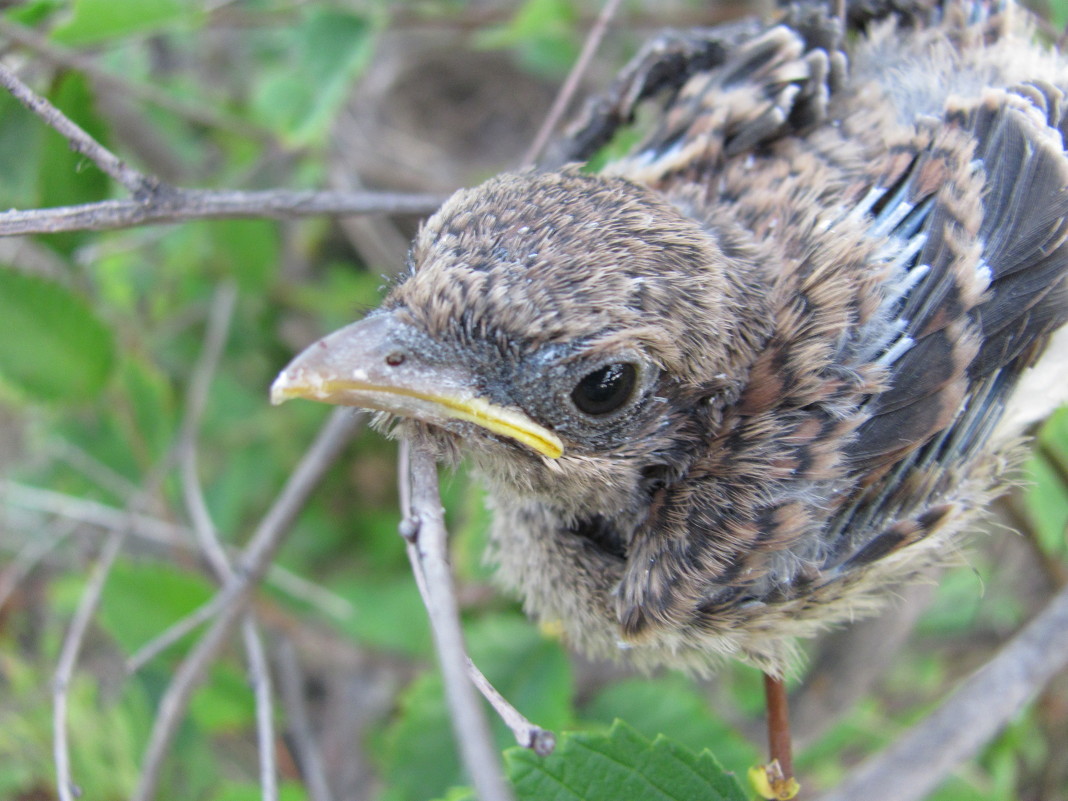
(742, 382)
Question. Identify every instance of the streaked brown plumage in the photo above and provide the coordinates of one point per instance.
(741, 383)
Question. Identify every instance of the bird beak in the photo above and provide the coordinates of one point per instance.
(375, 364)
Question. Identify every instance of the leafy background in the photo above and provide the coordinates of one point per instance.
(99, 334)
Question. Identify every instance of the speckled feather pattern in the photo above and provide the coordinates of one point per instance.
(832, 268)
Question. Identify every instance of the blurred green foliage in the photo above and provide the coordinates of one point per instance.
(97, 349)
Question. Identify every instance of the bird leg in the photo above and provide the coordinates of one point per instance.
(777, 781)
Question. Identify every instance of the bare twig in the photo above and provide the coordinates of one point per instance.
(80, 141)
(156, 202)
(199, 113)
(423, 528)
(162, 533)
(259, 676)
(94, 513)
(68, 657)
(309, 758)
(165, 639)
(93, 469)
(222, 309)
(924, 756)
(220, 316)
(29, 556)
(238, 589)
(567, 91)
(178, 205)
(527, 734)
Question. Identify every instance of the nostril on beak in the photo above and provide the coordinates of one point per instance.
(395, 358)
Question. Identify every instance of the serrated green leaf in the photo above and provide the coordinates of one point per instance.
(620, 764)
(530, 671)
(670, 705)
(52, 346)
(97, 20)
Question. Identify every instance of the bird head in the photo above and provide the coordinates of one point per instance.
(547, 318)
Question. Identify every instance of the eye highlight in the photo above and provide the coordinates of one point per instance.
(606, 389)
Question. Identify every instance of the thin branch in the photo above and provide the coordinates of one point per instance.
(162, 533)
(156, 202)
(259, 676)
(923, 757)
(80, 141)
(178, 205)
(424, 529)
(309, 758)
(175, 632)
(527, 734)
(93, 469)
(94, 513)
(235, 594)
(68, 658)
(29, 556)
(222, 310)
(198, 113)
(567, 91)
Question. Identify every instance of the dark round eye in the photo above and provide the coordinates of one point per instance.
(605, 389)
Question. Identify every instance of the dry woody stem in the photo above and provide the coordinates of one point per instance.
(423, 528)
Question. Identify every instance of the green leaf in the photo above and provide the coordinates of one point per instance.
(671, 705)
(33, 12)
(224, 704)
(620, 764)
(1058, 14)
(300, 98)
(531, 672)
(542, 33)
(149, 399)
(1047, 494)
(341, 295)
(21, 135)
(52, 346)
(246, 250)
(288, 790)
(388, 613)
(96, 20)
(142, 600)
(67, 178)
(421, 736)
